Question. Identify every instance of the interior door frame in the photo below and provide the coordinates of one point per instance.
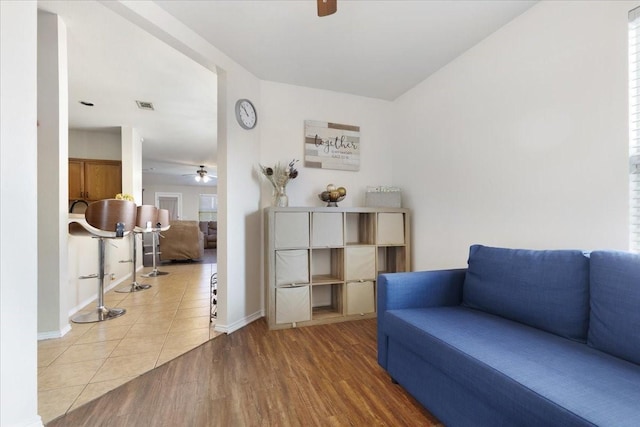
(177, 196)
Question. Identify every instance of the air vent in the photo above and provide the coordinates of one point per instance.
(144, 105)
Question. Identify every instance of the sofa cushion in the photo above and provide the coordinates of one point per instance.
(544, 289)
(529, 376)
(615, 304)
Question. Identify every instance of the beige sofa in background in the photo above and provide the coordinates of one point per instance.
(182, 241)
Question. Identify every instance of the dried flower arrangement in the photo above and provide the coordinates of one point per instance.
(279, 176)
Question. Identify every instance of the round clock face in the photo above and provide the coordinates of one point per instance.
(246, 114)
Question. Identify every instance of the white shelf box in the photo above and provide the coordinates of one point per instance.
(360, 263)
(292, 267)
(390, 229)
(360, 298)
(291, 230)
(293, 304)
(327, 229)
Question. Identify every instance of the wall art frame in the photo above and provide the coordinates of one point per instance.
(331, 145)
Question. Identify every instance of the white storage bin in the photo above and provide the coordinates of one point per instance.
(293, 304)
(360, 298)
(292, 267)
(360, 263)
(291, 230)
(390, 229)
(327, 229)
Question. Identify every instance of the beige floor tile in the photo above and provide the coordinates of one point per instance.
(189, 323)
(138, 345)
(126, 366)
(146, 329)
(95, 390)
(161, 323)
(104, 332)
(157, 316)
(56, 402)
(179, 339)
(46, 356)
(90, 351)
(195, 303)
(195, 295)
(192, 312)
(161, 306)
(76, 332)
(67, 375)
(113, 297)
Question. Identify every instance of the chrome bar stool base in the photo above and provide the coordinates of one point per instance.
(134, 287)
(155, 273)
(104, 219)
(99, 315)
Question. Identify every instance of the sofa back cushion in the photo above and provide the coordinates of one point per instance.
(548, 290)
(615, 304)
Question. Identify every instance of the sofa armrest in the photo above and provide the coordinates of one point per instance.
(420, 289)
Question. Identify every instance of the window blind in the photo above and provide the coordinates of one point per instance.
(634, 128)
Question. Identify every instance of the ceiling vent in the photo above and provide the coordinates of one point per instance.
(144, 105)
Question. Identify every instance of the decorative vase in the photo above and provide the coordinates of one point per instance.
(280, 198)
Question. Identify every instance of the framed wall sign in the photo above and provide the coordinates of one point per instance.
(331, 146)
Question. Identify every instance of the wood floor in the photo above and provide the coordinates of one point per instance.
(314, 376)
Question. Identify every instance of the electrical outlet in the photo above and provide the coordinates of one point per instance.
(113, 276)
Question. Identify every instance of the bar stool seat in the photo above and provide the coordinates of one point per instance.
(104, 219)
(145, 217)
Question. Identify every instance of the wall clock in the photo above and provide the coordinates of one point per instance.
(246, 114)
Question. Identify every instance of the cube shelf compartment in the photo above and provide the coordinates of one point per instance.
(321, 264)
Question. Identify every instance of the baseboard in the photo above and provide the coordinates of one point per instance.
(54, 334)
(227, 329)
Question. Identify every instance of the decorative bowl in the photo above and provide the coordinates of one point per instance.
(331, 202)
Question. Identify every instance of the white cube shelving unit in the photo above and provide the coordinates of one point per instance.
(321, 264)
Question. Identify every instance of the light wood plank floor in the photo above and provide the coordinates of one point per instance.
(314, 376)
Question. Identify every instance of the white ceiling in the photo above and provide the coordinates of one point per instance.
(377, 49)
(113, 63)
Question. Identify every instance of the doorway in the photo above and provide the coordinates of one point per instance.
(171, 202)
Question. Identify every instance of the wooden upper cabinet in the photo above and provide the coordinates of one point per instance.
(94, 179)
(76, 179)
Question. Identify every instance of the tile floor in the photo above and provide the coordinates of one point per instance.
(161, 323)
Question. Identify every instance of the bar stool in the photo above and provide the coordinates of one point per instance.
(145, 215)
(104, 219)
(162, 224)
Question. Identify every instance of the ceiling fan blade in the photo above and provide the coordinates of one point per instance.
(327, 7)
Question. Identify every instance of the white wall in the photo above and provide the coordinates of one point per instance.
(239, 214)
(18, 259)
(522, 140)
(131, 148)
(95, 144)
(53, 117)
(190, 197)
(281, 119)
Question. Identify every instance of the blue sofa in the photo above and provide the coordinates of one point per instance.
(519, 338)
